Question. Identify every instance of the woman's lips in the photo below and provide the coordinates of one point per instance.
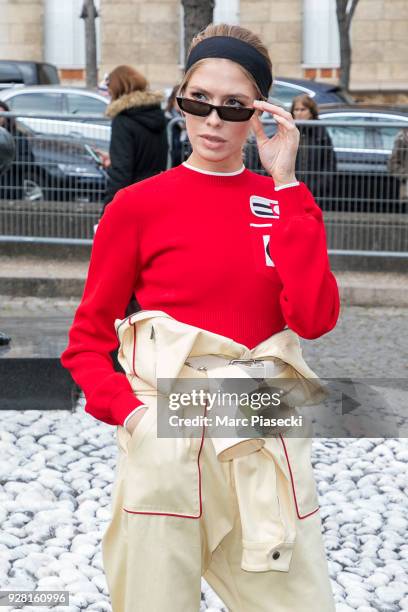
(212, 142)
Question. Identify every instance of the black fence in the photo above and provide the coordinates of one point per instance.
(55, 189)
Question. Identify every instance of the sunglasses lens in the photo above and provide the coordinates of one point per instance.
(226, 113)
(235, 114)
(194, 107)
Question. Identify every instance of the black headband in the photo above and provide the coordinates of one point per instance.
(238, 51)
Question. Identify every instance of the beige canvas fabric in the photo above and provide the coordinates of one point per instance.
(247, 521)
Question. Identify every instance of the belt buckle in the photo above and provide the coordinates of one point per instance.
(252, 362)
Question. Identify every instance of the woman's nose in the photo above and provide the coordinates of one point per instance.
(213, 118)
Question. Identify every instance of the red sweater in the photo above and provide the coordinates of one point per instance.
(225, 253)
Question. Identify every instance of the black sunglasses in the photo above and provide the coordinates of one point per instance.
(203, 109)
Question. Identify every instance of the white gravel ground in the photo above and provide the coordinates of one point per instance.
(56, 474)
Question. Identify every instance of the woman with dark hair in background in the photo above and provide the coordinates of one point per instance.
(316, 160)
(7, 152)
(11, 182)
(138, 147)
(178, 132)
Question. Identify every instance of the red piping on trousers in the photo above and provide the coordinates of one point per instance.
(293, 484)
(199, 487)
(134, 347)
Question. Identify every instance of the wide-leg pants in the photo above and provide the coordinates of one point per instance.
(178, 513)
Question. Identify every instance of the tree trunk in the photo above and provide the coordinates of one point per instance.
(345, 11)
(89, 15)
(197, 15)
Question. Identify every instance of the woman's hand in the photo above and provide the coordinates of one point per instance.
(134, 420)
(277, 154)
(104, 157)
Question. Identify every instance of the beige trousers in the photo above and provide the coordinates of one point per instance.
(249, 525)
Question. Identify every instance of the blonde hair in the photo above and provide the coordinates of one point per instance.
(235, 31)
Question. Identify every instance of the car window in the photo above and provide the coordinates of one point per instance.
(48, 74)
(9, 73)
(385, 136)
(83, 104)
(29, 72)
(353, 137)
(41, 103)
(285, 93)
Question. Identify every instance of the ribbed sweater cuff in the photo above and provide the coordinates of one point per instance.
(292, 201)
(123, 404)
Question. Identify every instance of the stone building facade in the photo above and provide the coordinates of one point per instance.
(148, 35)
(21, 29)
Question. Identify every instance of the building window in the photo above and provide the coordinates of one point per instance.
(321, 48)
(225, 11)
(65, 44)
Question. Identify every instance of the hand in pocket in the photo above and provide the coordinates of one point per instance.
(134, 420)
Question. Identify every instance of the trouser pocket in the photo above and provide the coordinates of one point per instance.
(162, 475)
(298, 457)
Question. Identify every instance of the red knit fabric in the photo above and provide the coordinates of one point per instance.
(191, 245)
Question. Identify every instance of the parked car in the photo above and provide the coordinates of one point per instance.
(362, 154)
(21, 72)
(66, 102)
(54, 168)
(362, 181)
(283, 91)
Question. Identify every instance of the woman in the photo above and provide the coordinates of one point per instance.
(228, 266)
(398, 163)
(178, 132)
(316, 160)
(11, 181)
(138, 147)
(7, 152)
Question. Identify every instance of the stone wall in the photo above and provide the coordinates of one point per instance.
(143, 34)
(147, 35)
(380, 45)
(279, 24)
(21, 29)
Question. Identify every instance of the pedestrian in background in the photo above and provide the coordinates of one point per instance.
(11, 181)
(316, 160)
(398, 163)
(178, 132)
(7, 152)
(138, 147)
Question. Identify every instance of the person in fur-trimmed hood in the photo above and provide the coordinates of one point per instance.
(138, 147)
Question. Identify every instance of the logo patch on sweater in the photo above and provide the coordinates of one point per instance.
(268, 258)
(263, 207)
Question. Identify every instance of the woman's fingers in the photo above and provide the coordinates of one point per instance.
(272, 109)
(258, 130)
(283, 121)
(281, 116)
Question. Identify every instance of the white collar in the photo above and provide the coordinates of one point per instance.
(214, 173)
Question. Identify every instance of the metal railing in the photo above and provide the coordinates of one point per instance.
(55, 190)
(350, 169)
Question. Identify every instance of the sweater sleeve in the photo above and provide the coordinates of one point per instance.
(309, 297)
(110, 283)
